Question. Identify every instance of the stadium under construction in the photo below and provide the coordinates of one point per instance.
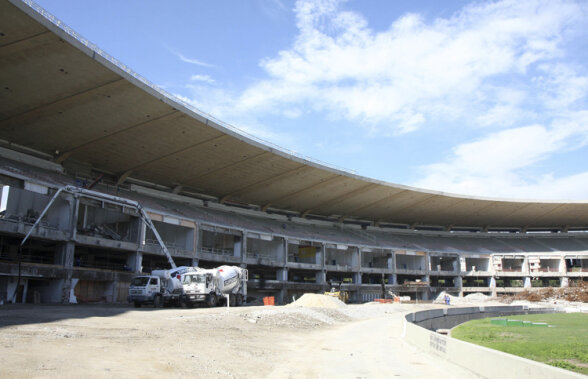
(92, 143)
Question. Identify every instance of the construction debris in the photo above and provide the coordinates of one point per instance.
(576, 292)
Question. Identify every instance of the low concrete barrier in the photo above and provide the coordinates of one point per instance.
(485, 362)
(447, 318)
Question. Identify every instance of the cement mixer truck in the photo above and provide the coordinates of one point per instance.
(161, 287)
(209, 286)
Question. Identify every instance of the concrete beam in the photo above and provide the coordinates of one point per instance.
(333, 179)
(346, 196)
(176, 152)
(267, 182)
(52, 107)
(66, 154)
(227, 166)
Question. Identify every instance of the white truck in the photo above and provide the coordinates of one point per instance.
(161, 287)
(210, 286)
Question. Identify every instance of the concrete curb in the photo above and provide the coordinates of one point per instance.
(485, 362)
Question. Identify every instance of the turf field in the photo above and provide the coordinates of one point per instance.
(564, 344)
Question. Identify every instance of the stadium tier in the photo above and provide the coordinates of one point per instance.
(71, 115)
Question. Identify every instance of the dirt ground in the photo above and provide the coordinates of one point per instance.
(98, 341)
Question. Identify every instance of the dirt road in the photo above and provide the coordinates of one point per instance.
(249, 342)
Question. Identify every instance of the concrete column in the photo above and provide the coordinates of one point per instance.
(458, 282)
(135, 262)
(463, 266)
(562, 265)
(240, 247)
(427, 267)
(279, 246)
(284, 258)
(356, 258)
(142, 234)
(319, 257)
(282, 275)
(74, 217)
(526, 265)
(65, 257)
(527, 282)
(457, 265)
(281, 297)
(196, 238)
(493, 286)
(392, 279)
(321, 277)
(390, 262)
(195, 262)
(357, 278)
(564, 281)
(111, 291)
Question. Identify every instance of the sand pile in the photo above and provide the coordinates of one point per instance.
(313, 300)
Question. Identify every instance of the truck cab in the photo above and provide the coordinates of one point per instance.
(214, 286)
(146, 289)
(198, 287)
(160, 288)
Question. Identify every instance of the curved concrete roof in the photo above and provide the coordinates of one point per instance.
(64, 97)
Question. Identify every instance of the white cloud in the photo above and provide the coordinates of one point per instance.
(202, 78)
(494, 165)
(498, 68)
(397, 80)
(562, 86)
(194, 61)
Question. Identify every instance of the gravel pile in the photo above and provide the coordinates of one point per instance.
(296, 318)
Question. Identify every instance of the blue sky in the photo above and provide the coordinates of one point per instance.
(475, 98)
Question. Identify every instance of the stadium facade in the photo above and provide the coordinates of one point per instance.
(71, 115)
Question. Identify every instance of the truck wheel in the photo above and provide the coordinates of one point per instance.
(157, 303)
(232, 300)
(137, 304)
(212, 300)
(239, 299)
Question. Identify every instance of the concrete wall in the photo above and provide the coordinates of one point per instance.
(480, 360)
(258, 248)
(480, 264)
(447, 318)
(410, 262)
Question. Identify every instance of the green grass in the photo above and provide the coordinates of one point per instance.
(564, 345)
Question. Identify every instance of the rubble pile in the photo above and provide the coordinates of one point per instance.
(576, 292)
